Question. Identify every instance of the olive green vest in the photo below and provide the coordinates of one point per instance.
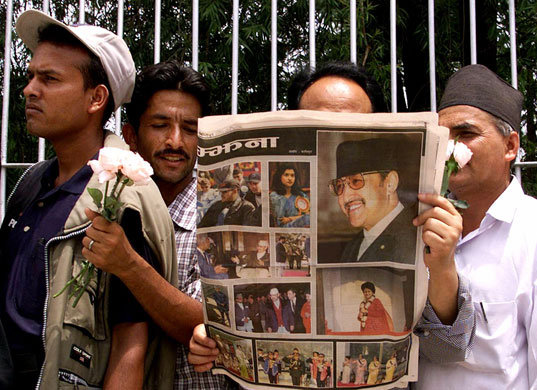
(78, 340)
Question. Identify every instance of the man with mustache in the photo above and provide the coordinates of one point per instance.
(167, 102)
(366, 189)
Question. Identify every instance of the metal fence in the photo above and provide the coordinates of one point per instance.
(235, 61)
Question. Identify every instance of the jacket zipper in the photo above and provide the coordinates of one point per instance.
(19, 181)
(47, 281)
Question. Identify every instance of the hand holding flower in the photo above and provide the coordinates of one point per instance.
(111, 251)
(129, 169)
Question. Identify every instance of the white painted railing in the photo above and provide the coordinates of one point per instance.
(235, 62)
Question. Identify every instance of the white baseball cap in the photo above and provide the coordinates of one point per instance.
(111, 50)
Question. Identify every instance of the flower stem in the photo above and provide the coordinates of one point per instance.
(445, 180)
(119, 175)
(69, 283)
(87, 277)
(121, 189)
(105, 195)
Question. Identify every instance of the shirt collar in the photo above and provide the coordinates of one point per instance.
(381, 225)
(75, 185)
(183, 208)
(504, 208)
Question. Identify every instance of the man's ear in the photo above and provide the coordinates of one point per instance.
(512, 143)
(130, 136)
(99, 99)
(391, 182)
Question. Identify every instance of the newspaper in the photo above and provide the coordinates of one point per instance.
(312, 272)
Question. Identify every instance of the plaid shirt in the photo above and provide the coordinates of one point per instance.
(183, 213)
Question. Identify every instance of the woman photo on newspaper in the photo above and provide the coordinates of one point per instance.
(374, 319)
(289, 204)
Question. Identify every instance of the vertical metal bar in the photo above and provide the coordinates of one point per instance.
(46, 6)
(274, 56)
(40, 149)
(353, 30)
(432, 57)
(120, 6)
(235, 58)
(514, 74)
(512, 38)
(195, 33)
(41, 141)
(82, 12)
(312, 34)
(473, 45)
(5, 106)
(156, 57)
(393, 56)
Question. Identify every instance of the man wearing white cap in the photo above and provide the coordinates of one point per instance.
(77, 76)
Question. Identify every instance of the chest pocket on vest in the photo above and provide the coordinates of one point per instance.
(89, 313)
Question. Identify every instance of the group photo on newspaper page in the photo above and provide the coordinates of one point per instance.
(312, 271)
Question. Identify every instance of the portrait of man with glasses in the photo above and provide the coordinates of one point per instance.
(368, 181)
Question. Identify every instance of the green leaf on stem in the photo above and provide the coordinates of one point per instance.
(450, 168)
(97, 196)
(112, 207)
(459, 204)
(452, 164)
(88, 275)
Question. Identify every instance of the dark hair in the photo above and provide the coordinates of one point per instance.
(169, 75)
(93, 72)
(368, 285)
(277, 184)
(304, 79)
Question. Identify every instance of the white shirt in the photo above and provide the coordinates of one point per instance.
(372, 234)
(499, 260)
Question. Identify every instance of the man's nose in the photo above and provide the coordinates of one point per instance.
(175, 136)
(346, 191)
(31, 89)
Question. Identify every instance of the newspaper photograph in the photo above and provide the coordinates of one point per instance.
(312, 271)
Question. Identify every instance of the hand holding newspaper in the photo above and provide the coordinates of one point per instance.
(312, 271)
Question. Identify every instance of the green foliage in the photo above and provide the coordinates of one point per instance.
(332, 43)
(96, 196)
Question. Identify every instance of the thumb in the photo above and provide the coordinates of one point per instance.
(91, 214)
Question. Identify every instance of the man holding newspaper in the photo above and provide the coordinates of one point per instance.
(481, 110)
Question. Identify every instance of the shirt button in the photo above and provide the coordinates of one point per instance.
(426, 333)
(26, 228)
(40, 204)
